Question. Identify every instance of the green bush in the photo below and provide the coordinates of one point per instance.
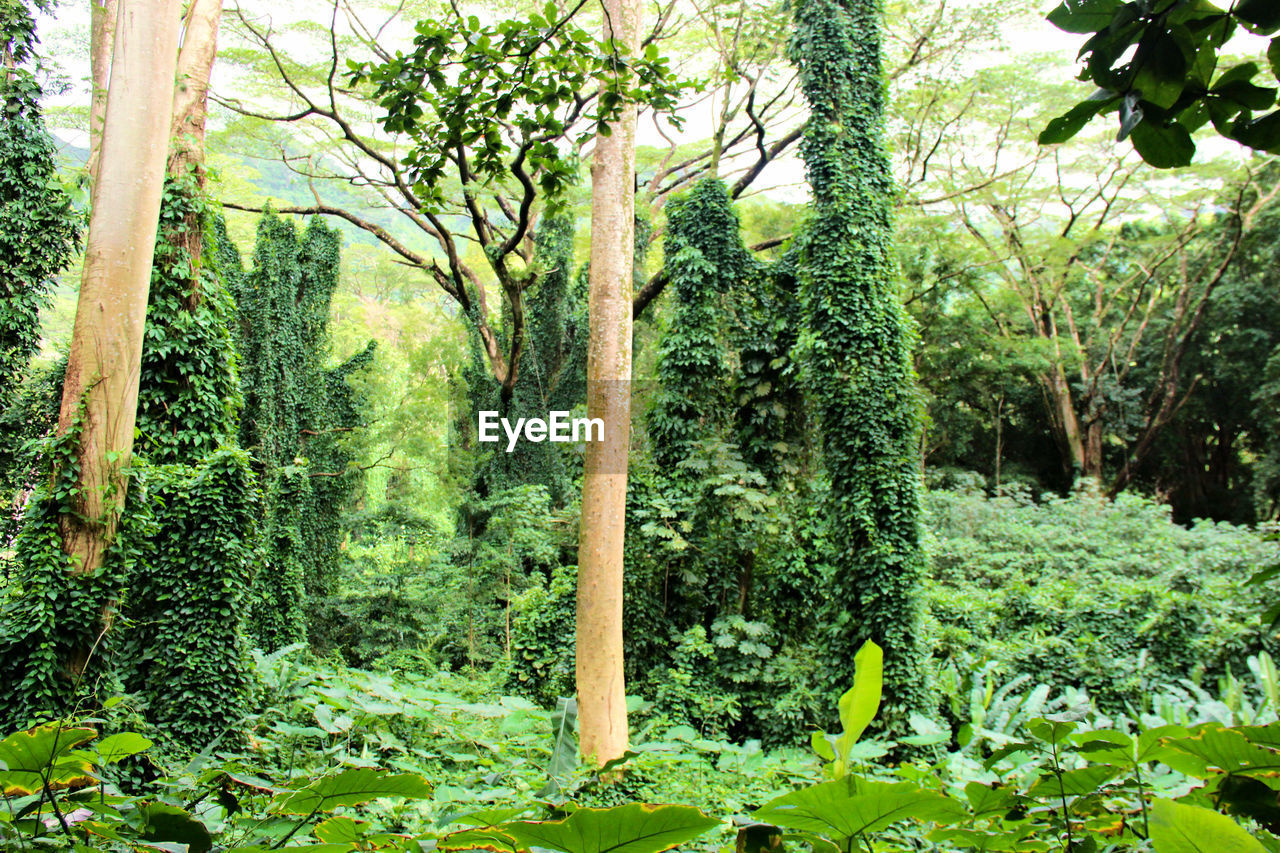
(1111, 596)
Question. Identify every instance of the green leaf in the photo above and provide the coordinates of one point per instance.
(1244, 795)
(633, 828)
(860, 702)
(821, 744)
(482, 838)
(44, 751)
(340, 830)
(169, 823)
(1051, 729)
(987, 801)
(1180, 828)
(564, 755)
(1261, 133)
(349, 788)
(1264, 15)
(1228, 750)
(1084, 16)
(851, 806)
(1069, 124)
(1163, 147)
(1247, 94)
(1074, 783)
(1273, 57)
(1162, 70)
(759, 838)
(120, 746)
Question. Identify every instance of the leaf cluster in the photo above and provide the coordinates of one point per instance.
(1156, 66)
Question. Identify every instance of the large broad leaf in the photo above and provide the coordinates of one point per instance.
(1263, 14)
(564, 755)
(350, 788)
(44, 754)
(1072, 783)
(483, 838)
(1068, 125)
(859, 704)
(1179, 828)
(1163, 147)
(851, 806)
(633, 828)
(1084, 16)
(169, 823)
(120, 746)
(1228, 750)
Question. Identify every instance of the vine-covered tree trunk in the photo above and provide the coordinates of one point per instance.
(857, 348)
(106, 342)
(602, 700)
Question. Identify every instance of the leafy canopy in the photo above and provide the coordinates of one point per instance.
(1156, 65)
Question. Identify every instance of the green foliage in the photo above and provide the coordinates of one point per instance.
(345, 761)
(182, 649)
(50, 611)
(39, 229)
(553, 368)
(296, 414)
(188, 392)
(39, 234)
(542, 657)
(856, 349)
(1084, 592)
(707, 266)
(522, 74)
(1169, 85)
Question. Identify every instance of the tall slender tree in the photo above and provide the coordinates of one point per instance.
(101, 386)
(602, 699)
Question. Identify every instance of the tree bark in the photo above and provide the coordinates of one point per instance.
(602, 706)
(102, 41)
(191, 88)
(101, 387)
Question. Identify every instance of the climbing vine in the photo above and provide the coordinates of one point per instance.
(296, 417)
(39, 232)
(184, 648)
(188, 393)
(50, 613)
(856, 346)
(705, 262)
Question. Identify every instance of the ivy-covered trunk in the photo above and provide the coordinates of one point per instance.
(856, 346)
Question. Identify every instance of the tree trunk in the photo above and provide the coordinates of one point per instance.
(191, 88)
(102, 40)
(602, 707)
(1066, 424)
(190, 111)
(101, 387)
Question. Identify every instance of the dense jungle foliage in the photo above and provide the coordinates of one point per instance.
(951, 517)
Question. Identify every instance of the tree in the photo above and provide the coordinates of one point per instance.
(602, 698)
(296, 413)
(1156, 66)
(39, 230)
(101, 386)
(485, 149)
(856, 347)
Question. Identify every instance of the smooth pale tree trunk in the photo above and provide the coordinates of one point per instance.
(101, 41)
(191, 87)
(602, 701)
(101, 387)
(187, 131)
